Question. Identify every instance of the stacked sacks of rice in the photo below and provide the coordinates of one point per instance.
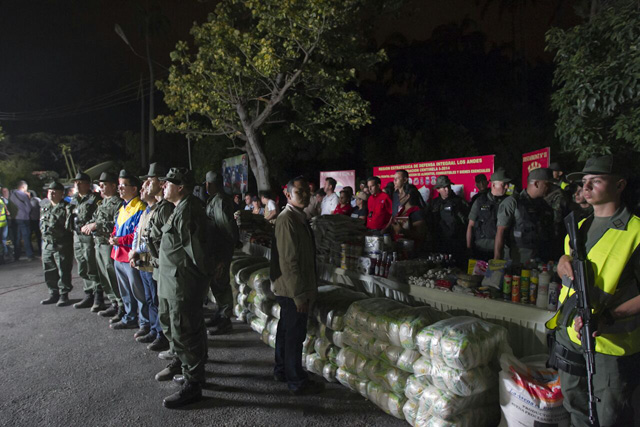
(240, 272)
(455, 380)
(325, 330)
(381, 349)
(331, 231)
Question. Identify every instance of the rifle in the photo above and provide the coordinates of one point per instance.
(582, 283)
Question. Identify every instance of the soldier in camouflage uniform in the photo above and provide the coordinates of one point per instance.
(100, 228)
(222, 236)
(82, 207)
(184, 279)
(560, 202)
(57, 245)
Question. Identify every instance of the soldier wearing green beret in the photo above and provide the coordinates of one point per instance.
(612, 245)
(101, 227)
(57, 246)
(82, 206)
(525, 223)
(184, 267)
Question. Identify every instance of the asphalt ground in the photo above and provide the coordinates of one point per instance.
(65, 367)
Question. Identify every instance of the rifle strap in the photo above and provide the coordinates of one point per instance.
(564, 359)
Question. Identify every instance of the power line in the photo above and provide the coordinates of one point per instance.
(124, 95)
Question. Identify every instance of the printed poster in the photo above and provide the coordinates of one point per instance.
(235, 173)
(534, 160)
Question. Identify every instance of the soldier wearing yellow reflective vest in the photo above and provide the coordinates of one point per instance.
(612, 238)
(3, 227)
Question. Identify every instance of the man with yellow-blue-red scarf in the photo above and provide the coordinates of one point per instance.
(129, 280)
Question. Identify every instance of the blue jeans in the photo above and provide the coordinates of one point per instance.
(4, 233)
(151, 297)
(23, 232)
(132, 293)
(292, 330)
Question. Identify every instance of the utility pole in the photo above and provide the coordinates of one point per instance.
(143, 151)
(152, 144)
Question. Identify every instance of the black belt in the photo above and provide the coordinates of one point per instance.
(564, 359)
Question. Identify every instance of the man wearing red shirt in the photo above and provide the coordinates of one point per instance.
(344, 207)
(379, 204)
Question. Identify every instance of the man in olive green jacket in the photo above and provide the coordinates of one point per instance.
(184, 278)
(295, 288)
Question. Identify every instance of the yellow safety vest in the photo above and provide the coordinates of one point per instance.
(3, 214)
(564, 185)
(608, 257)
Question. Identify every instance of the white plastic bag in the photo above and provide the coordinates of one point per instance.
(530, 393)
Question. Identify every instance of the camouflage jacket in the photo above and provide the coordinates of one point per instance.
(82, 210)
(105, 218)
(54, 223)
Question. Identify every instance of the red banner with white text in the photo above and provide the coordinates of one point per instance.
(534, 160)
(423, 175)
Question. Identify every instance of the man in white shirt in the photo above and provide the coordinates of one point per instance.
(331, 199)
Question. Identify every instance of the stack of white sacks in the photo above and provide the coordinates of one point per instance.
(325, 330)
(422, 365)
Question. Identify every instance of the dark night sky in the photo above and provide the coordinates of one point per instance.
(60, 52)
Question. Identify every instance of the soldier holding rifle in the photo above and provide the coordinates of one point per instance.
(599, 393)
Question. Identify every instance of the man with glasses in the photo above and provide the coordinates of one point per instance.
(129, 281)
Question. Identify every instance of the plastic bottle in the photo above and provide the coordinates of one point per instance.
(554, 289)
(544, 279)
(525, 281)
(533, 287)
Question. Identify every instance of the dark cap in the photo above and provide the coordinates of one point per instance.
(213, 178)
(541, 174)
(480, 178)
(131, 177)
(108, 177)
(603, 165)
(179, 176)
(81, 176)
(443, 181)
(500, 175)
(156, 170)
(555, 166)
(55, 185)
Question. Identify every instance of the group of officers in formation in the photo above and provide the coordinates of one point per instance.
(155, 251)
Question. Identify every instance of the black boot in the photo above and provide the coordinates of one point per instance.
(119, 315)
(53, 298)
(189, 393)
(98, 302)
(223, 326)
(109, 312)
(86, 302)
(63, 301)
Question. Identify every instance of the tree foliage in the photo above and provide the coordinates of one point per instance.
(260, 63)
(598, 81)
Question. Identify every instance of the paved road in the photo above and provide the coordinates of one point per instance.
(65, 367)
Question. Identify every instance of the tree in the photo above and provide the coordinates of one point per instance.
(598, 90)
(266, 63)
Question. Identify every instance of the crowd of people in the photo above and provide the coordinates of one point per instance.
(520, 227)
(151, 253)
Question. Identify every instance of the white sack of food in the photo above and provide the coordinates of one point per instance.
(389, 402)
(456, 381)
(258, 324)
(315, 364)
(530, 393)
(479, 417)
(410, 411)
(463, 342)
(415, 387)
(407, 360)
(447, 406)
(329, 372)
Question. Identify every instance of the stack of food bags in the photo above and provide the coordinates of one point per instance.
(381, 349)
(455, 379)
(325, 330)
